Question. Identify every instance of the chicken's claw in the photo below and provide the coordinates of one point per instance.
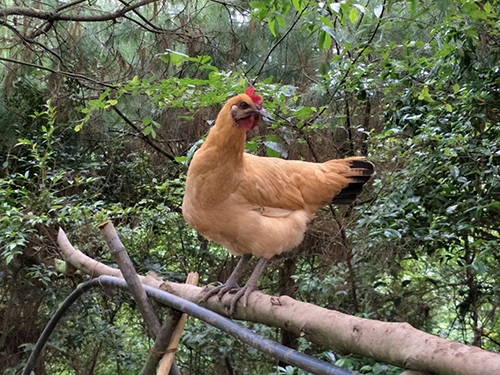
(219, 291)
(243, 292)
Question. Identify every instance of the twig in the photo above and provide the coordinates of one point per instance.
(60, 72)
(277, 44)
(144, 137)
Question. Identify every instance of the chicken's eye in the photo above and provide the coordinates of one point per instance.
(244, 105)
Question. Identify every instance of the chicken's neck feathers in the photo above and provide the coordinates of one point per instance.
(226, 139)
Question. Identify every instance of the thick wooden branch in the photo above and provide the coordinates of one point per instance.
(56, 16)
(398, 344)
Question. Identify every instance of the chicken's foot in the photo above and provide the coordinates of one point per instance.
(231, 283)
(249, 287)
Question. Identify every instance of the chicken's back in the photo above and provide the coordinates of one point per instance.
(294, 184)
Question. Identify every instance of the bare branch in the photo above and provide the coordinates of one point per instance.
(56, 16)
(55, 71)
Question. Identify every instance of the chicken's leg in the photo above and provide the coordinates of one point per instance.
(249, 287)
(231, 283)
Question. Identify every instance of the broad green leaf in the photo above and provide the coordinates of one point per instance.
(326, 21)
(298, 5)
(353, 15)
(360, 7)
(257, 5)
(280, 21)
(331, 32)
(424, 95)
(272, 26)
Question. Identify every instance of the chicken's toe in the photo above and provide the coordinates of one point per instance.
(219, 291)
(243, 292)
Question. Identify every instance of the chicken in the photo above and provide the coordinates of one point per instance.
(258, 206)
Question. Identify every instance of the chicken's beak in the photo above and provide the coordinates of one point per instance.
(262, 113)
(265, 116)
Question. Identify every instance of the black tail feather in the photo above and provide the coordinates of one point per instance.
(349, 194)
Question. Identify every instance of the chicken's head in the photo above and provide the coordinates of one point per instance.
(246, 109)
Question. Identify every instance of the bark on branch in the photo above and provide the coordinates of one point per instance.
(398, 344)
(56, 16)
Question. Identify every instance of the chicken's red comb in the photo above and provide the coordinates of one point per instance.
(250, 91)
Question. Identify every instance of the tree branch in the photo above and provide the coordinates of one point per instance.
(144, 137)
(56, 16)
(398, 344)
(60, 72)
(299, 16)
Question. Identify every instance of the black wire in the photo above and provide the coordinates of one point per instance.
(80, 289)
(236, 330)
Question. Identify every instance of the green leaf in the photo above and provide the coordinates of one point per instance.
(97, 103)
(272, 153)
(335, 8)
(326, 21)
(494, 206)
(360, 7)
(280, 21)
(147, 121)
(173, 57)
(331, 32)
(304, 112)
(272, 27)
(327, 42)
(487, 7)
(257, 5)
(298, 5)
(456, 88)
(424, 95)
(353, 15)
(448, 108)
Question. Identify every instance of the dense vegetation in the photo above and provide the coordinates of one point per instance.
(101, 109)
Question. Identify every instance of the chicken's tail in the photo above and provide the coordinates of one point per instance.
(360, 173)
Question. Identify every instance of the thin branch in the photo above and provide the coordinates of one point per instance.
(144, 137)
(277, 44)
(28, 40)
(60, 72)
